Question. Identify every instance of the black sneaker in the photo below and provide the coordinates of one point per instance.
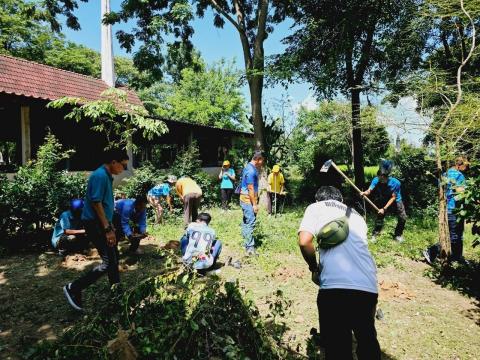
(73, 298)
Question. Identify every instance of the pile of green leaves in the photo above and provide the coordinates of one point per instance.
(172, 316)
(39, 191)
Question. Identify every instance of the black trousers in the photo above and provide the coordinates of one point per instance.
(271, 201)
(342, 312)
(108, 254)
(226, 197)
(191, 203)
(401, 219)
(456, 240)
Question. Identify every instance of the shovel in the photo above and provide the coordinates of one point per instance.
(326, 166)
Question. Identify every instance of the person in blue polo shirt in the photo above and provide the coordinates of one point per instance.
(127, 212)
(69, 234)
(97, 217)
(394, 190)
(249, 200)
(455, 183)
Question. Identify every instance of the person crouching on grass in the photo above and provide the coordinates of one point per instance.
(199, 246)
(97, 217)
(346, 275)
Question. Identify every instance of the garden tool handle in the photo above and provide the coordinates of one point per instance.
(354, 186)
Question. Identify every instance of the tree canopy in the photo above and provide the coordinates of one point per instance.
(211, 96)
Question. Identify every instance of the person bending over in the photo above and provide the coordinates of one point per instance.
(191, 195)
(159, 192)
(346, 274)
(395, 201)
(130, 221)
(200, 249)
(69, 234)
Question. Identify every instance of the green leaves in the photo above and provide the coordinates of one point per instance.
(209, 96)
(114, 116)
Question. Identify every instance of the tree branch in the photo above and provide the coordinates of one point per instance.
(365, 57)
(225, 14)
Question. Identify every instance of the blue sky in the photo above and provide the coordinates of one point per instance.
(215, 44)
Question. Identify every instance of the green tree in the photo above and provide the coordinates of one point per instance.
(329, 129)
(349, 46)
(253, 20)
(211, 96)
(113, 116)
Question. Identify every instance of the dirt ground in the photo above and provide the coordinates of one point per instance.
(421, 320)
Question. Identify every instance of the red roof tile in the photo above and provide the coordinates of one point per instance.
(31, 79)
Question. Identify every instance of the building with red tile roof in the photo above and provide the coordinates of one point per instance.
(27, 87)
(30, 79)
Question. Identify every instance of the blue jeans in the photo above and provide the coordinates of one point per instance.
(456, 239)
(248, 225)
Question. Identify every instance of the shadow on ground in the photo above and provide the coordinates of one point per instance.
(464, 278)
(32, 304)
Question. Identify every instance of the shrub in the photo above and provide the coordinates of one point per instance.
(39, 192)
(188, 163)
(143, 179)
(413, 168)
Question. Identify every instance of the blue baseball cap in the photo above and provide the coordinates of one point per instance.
(76, 204)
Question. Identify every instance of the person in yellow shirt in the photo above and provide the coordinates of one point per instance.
(190, 194)
(275, 188)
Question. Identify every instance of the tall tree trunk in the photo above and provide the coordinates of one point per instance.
(256, 89)
(443, 230)
(357, 139)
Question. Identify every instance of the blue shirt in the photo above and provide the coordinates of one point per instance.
(249, 177)
(66, 221)
(159, 190)
(227, 183)
(455, 178)
(393, 185)
(99, 189)
(125, 208)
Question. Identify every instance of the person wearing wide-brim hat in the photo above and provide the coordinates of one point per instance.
(275, 188)
(227, 178)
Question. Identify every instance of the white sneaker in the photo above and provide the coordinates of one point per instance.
(399, 238)
(373, 239)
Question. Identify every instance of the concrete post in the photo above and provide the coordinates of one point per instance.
(108, 68)
(25, 129)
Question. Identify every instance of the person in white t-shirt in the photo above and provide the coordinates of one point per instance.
(346, 275)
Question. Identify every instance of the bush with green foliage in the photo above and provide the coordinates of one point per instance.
(39, 191)
(415, 171)
(143, 179)
(188, 163)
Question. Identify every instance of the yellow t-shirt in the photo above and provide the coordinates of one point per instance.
(186, 186)
(276, 182)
